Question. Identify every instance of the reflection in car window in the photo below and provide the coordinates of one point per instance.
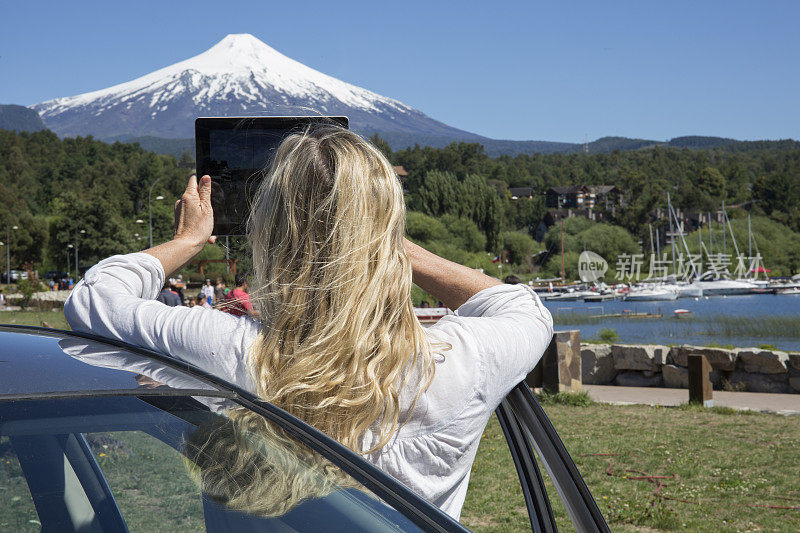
(17, 512)
(252, 470)
(171, 464)
(148, 479)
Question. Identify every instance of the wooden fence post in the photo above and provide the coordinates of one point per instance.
(700, 390)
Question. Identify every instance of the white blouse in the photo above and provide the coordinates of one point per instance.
(496, 338)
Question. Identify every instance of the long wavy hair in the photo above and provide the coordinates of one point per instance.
(332, 282)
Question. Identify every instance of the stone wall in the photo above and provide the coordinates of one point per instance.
(652, 365)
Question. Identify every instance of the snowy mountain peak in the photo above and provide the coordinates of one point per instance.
(240, 75)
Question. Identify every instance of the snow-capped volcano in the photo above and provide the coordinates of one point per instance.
(240, 75)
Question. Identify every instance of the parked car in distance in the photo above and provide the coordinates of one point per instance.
(97, 435)
(16, 275)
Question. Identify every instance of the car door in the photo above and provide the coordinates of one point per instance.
(527, 429)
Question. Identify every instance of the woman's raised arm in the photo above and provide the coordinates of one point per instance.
(449, 282)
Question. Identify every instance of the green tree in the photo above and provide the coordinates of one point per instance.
(520, 246)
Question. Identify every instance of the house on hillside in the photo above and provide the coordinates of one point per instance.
(400, 172)
(520, 192)
(582, 197)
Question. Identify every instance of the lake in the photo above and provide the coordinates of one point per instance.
(742, 321)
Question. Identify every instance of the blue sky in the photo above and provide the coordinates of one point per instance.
(559, 71)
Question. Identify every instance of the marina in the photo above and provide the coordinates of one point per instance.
(745, 320)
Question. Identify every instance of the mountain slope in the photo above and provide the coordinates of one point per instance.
(238, 76)
(19, 118)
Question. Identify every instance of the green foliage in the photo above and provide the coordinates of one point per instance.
(52, 188)
(455, 238)
(607, 336)
(444, 193)
(581, 234)
(519, 245)
(778, 244)
(27, 288)
(464, 233)
(423, 228)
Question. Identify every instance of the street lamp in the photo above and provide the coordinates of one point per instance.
(77, 271)
(150, 208)
(69, 272)
(8, 252)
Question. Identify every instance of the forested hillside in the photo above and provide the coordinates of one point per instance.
(766, 181)
(51, 189)
(457, 196)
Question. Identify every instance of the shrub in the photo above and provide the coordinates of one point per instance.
(608, 336)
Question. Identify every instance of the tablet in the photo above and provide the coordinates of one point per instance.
(235, 152)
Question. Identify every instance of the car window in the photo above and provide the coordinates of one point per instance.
(172, 464)
(494, 498)
(17, 511)
(149, 481)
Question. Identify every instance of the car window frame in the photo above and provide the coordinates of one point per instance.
(521, 406)
(418, 510)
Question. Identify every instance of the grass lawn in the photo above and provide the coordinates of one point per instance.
(727, 463)
(53, 319)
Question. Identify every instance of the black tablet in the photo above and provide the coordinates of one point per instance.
(235, 151)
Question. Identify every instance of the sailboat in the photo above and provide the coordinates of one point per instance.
(715, 283)
(685, 289)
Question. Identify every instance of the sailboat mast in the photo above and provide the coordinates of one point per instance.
(563, 276)
(658, 242)
(683, 240)
(710, 236)
(671, 233)
(724, 218)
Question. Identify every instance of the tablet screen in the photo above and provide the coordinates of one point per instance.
(235, 152)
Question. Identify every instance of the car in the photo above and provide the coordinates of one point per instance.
(99, 435)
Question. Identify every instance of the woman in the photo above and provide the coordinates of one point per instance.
(338, 345)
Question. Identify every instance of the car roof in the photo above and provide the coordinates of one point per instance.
(39, 362)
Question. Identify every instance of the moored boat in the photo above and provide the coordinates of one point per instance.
(721, 286)
(790, 290)
(653, 294)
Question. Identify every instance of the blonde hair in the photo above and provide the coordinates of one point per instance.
(332, 281)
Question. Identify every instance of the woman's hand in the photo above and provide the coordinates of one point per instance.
(194, 222)
(194, 217)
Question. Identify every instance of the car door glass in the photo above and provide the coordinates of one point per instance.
(171, 464)
(253, 474)
(17, 511)
(149, 481)
(494, 498)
